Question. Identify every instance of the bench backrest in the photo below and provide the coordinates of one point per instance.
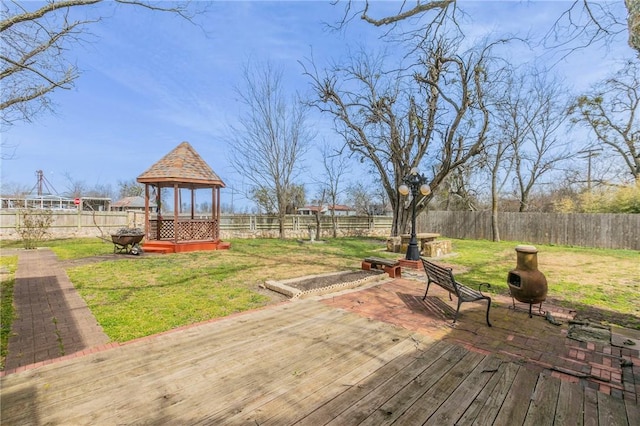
(441, 276)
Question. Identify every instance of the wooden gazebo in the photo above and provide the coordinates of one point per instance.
(168, 229)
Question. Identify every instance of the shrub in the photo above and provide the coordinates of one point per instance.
(33, 226)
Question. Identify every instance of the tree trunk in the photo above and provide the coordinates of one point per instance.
(281, 219)
(401, 219)
(334, 223)
(318, 226)
(495, 231)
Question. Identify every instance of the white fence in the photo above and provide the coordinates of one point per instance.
(92, 224)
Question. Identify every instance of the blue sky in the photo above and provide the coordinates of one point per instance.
(150, 81)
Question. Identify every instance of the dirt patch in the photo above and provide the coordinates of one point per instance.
(327, 280)
(325, 283)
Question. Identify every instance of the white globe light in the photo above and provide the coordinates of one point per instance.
(425, 189)
(403, 189)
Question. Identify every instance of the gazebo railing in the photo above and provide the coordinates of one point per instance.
(184, 229)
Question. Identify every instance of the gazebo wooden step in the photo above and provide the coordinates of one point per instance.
(155, 246)
(158, 247)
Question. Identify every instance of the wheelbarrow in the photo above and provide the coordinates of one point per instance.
(126, 243)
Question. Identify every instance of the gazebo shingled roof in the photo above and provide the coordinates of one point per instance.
(182, 165)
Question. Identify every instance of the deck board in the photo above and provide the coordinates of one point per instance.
(461, 399)
(516, 403)
(387, 402)
(354, 391)
(544, 400)
(590, 417)
(302, 363)
(484, 408)
(569, 411)
(439, 392)
(302, 401)
(633, 413)
(611, 411)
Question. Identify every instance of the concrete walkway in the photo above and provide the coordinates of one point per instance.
(52, 320)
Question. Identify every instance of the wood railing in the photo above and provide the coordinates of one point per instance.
(183, 230)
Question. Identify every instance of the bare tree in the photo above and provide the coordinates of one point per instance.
(536, 111)
(319, 203)
(497, 151)
(130, 188)
(335, 167)
(271, 137)
(297, 199)
(36, 38)
(611, 110)
(581, 24)
(432, 115)
(14, 189)
(75, 187)
(584, 23)
(363, 199)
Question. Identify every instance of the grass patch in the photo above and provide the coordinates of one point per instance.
(69, 248)
(137, 296)
(600, 283)
(9, 264)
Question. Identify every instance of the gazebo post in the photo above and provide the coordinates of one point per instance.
(213, 213)
(159, 211)
(176, 205)
(193, 202)
(218, 214)
(147, 230)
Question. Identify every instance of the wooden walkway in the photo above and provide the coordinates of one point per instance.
(299, 363)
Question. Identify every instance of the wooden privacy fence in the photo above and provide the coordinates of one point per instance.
(615, 231)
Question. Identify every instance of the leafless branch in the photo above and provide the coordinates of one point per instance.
(34, 61)
(418, 9)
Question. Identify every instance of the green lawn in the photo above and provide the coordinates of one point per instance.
(9, 265)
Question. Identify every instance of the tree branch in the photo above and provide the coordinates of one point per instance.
(418, 9)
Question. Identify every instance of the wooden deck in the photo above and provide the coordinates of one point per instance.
(299, 363)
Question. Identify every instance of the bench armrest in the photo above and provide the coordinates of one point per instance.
(480, 287)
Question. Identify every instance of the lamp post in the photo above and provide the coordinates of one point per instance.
(414, 183)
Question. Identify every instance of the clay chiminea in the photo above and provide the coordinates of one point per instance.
(526, 283)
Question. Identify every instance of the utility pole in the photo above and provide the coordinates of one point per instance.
(589, 153)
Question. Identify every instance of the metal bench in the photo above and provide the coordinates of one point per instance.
(390, 266)
(445, 279)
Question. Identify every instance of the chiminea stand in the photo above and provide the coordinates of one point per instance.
(540, 311)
